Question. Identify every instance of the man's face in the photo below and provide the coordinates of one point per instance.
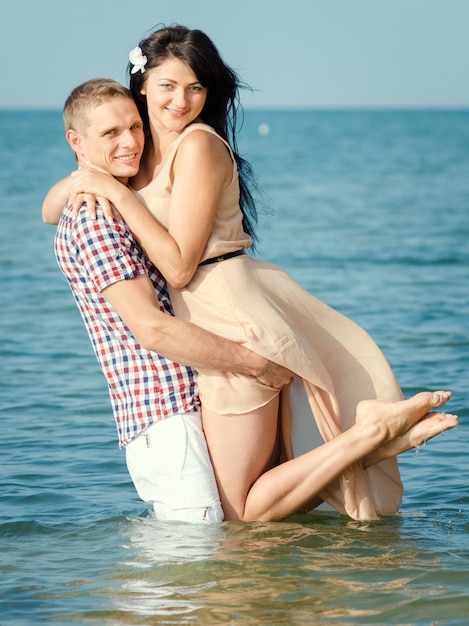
(113, 139)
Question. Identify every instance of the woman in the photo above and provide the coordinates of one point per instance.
(197, 187)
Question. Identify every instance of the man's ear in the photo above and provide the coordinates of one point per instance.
(74, 139)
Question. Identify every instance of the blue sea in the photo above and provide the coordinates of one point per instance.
(369, 210)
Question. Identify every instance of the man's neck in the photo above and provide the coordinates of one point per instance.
(124, 181)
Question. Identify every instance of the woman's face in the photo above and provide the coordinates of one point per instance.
(175, 97)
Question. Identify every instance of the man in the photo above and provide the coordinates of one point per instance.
(126, 309)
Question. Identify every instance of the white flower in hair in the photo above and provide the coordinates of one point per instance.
(138, 60)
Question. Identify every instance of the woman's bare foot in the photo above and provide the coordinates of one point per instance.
(394, 419)
(430, 426)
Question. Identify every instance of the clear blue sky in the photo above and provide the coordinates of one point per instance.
(295, 53)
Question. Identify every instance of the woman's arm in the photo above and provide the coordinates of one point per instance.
(55, 201)
(201, 169)
(58, 197)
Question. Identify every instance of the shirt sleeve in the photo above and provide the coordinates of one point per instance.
(107, 251)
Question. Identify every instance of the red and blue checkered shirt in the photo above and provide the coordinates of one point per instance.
(144, 387)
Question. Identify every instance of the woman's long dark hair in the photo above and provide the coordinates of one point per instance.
(195, 49)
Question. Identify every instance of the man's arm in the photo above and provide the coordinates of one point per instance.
(136, 303)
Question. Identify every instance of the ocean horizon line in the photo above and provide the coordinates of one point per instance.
(286, 109)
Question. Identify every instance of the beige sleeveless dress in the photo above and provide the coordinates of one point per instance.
(257, 304)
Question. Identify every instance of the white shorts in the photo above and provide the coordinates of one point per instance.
(170, 467)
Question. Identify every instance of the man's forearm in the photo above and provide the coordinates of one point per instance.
(189, 344)
(183, 342)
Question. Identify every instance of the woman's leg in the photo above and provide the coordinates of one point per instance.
(240, 447)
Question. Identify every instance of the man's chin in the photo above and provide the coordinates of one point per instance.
(124, 172)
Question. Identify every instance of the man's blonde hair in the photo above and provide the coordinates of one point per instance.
(86, 97)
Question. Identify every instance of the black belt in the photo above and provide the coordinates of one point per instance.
(222, 257)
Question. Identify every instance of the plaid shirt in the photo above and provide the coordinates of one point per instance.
(144, 387)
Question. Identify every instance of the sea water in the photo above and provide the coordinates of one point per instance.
(368, 211)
